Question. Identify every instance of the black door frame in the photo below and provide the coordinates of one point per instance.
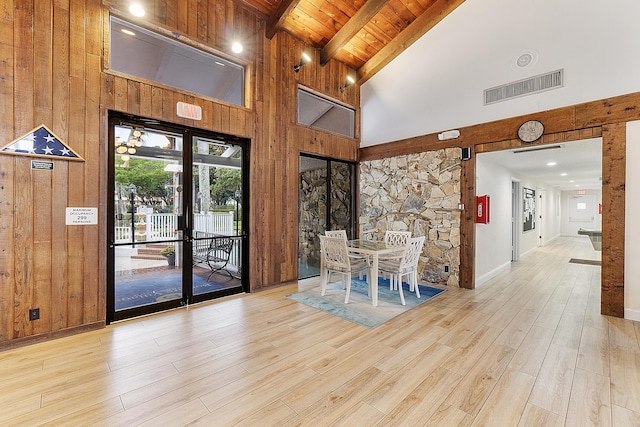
(116, 118)
(353, 176)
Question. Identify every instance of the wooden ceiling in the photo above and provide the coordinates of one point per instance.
(366, 35)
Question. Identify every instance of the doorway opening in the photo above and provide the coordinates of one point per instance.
(535, 188)
(175, 229)
(326, 201)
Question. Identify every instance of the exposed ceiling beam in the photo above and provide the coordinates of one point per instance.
(419, 27)
(350, 29)
(279, 15)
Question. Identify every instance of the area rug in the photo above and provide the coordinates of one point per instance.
(585, 261)
(359, 309)
(135, 293)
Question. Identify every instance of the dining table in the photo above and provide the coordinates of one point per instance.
(373, 248)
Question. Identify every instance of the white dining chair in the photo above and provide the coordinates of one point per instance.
(406, 265)
(336, 233)
(335, 259)
(343, 234)
(394, 238)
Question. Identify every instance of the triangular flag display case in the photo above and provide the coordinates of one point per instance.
(41, 142)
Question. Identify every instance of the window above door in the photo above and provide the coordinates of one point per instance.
(141, 53)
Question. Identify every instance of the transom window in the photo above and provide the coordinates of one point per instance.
(142, 53)
(320, 113)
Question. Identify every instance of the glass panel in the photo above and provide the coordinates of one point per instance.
(312, 214)
(142, 53)
(323, 114)
(148, 200)
(341, 197)
(217, 200)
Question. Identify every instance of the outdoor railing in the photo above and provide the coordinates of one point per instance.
(214, 223)
(162, 226)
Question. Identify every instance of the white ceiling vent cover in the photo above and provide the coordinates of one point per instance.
(541, 83)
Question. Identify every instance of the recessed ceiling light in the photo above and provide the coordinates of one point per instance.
(572, 180)
(563, 174)
(136, 9)
(236, 47)
(129, 32)
(551, 163)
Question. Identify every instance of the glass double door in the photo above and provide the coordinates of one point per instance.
(175, 232)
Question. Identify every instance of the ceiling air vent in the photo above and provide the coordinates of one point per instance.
(527, 86)
(544, 147)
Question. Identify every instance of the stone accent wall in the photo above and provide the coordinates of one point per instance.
(418, 193)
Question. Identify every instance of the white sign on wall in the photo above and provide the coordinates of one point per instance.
(82, 216)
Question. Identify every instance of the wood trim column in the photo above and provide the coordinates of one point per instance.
(614, 145)
(467, 223)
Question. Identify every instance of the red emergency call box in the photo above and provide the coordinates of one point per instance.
(482, 209)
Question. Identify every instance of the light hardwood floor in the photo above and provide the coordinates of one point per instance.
(528, 348)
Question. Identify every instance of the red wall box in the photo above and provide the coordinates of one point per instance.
(482, 209)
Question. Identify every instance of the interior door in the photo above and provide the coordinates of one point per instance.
(171, 211)
(582, 212)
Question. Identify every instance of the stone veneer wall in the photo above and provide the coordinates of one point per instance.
(418, 193)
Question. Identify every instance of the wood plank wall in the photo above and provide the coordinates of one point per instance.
(52, 72)
(603, 118)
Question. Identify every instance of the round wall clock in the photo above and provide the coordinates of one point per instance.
(530, 131)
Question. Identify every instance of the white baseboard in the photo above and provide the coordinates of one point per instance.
(551, 239)
(529, 252)
(487, 276)
(630, 314)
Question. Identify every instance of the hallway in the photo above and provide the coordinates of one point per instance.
(527, 348)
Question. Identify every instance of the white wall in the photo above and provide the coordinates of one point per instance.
(565, 219)
(437, 83)
(493, 240)
(632, 225)
(551, 214)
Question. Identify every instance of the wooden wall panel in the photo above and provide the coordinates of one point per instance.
(43, 55)
(59, 237)
(24, 68)
(7, 256)
(51, 59)
(94, 178)
(23, 248)
(7, 243)
(42, 252)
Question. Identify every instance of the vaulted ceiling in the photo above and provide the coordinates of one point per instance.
(366, 35)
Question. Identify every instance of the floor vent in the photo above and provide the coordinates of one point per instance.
(541, 83)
